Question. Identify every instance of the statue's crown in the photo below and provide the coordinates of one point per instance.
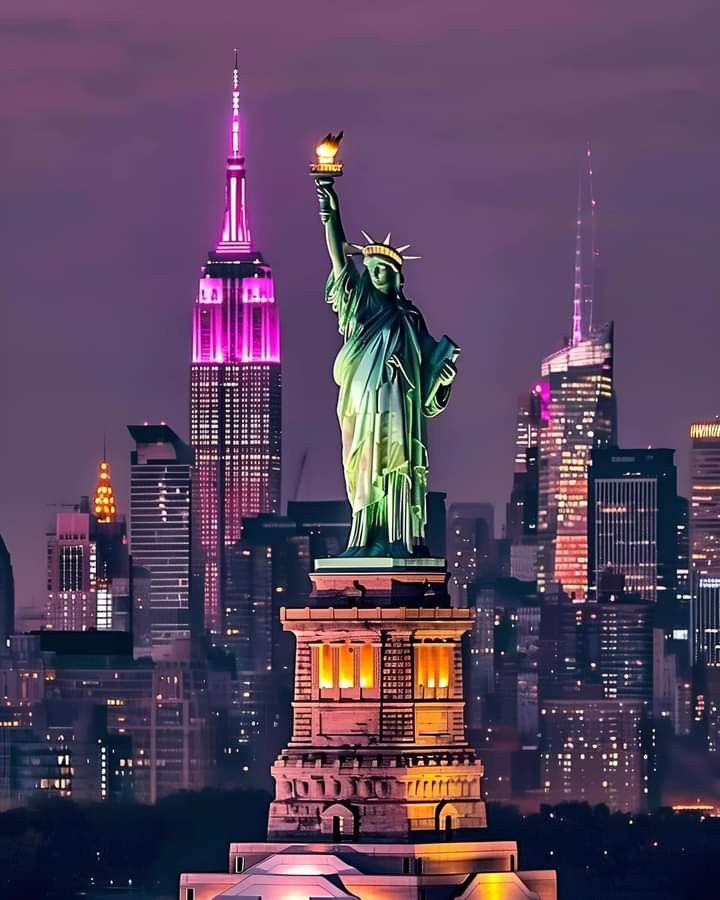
(383, 249)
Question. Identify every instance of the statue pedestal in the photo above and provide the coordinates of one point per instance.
(378, 749)
(377, 787)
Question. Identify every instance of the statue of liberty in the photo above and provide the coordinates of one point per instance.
(391, 375)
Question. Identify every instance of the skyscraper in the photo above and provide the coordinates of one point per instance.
(113, 581)
(580, 415)
(235, 383)
(522, 510)
(88, 574)
(161, 534)
(72, 571)
(705, 541)
(7, 594)
(632, 509)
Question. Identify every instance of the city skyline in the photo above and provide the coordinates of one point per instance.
(542, 216)
(388, 639)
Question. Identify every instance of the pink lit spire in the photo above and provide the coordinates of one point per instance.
(236, 318)
(236, 231)
(584, 270)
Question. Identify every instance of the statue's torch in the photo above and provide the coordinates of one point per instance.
(325, 165)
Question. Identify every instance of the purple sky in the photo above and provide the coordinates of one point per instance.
(464, 124)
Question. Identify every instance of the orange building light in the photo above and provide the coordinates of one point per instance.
(104, 501)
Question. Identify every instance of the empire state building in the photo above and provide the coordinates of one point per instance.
(235, 415)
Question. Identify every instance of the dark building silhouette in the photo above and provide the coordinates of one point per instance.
(522, 509)
(7, 594)
(471, 546)
(436, 528)
(266, 570)
(326, 522)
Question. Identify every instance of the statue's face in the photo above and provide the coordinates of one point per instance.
(382, 276)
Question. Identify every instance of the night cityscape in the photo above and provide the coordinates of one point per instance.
(360, 489)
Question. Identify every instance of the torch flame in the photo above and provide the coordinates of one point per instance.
(327, 149)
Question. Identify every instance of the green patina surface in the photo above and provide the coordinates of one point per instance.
(392, 376)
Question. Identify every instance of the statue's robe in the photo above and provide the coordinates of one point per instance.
(388, 375)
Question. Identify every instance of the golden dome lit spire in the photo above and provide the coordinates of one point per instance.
(104, 501)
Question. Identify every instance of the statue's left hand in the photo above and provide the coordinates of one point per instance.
(447, 373)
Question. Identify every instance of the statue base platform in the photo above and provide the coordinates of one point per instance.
(380, 564)
(471, 870)
(380, 581)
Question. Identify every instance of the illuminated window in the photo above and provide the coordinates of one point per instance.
(432, 669)
(367, 666)
(325, 666)
(345, 666)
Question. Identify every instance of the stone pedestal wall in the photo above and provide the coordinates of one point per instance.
(378, 749)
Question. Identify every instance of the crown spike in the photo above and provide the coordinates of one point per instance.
(383, 249)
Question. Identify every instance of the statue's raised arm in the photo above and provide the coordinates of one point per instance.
(330, 217)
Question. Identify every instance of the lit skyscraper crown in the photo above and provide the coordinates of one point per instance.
(104, 501)
(384, 249)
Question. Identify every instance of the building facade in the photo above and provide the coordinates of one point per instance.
(235, 415)
(592, 752)
(88, 564)
(581, 417)
(72, 571)
(705, 541)
(157, 721)
(632, 527)
(162, 536)
(626, 631)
